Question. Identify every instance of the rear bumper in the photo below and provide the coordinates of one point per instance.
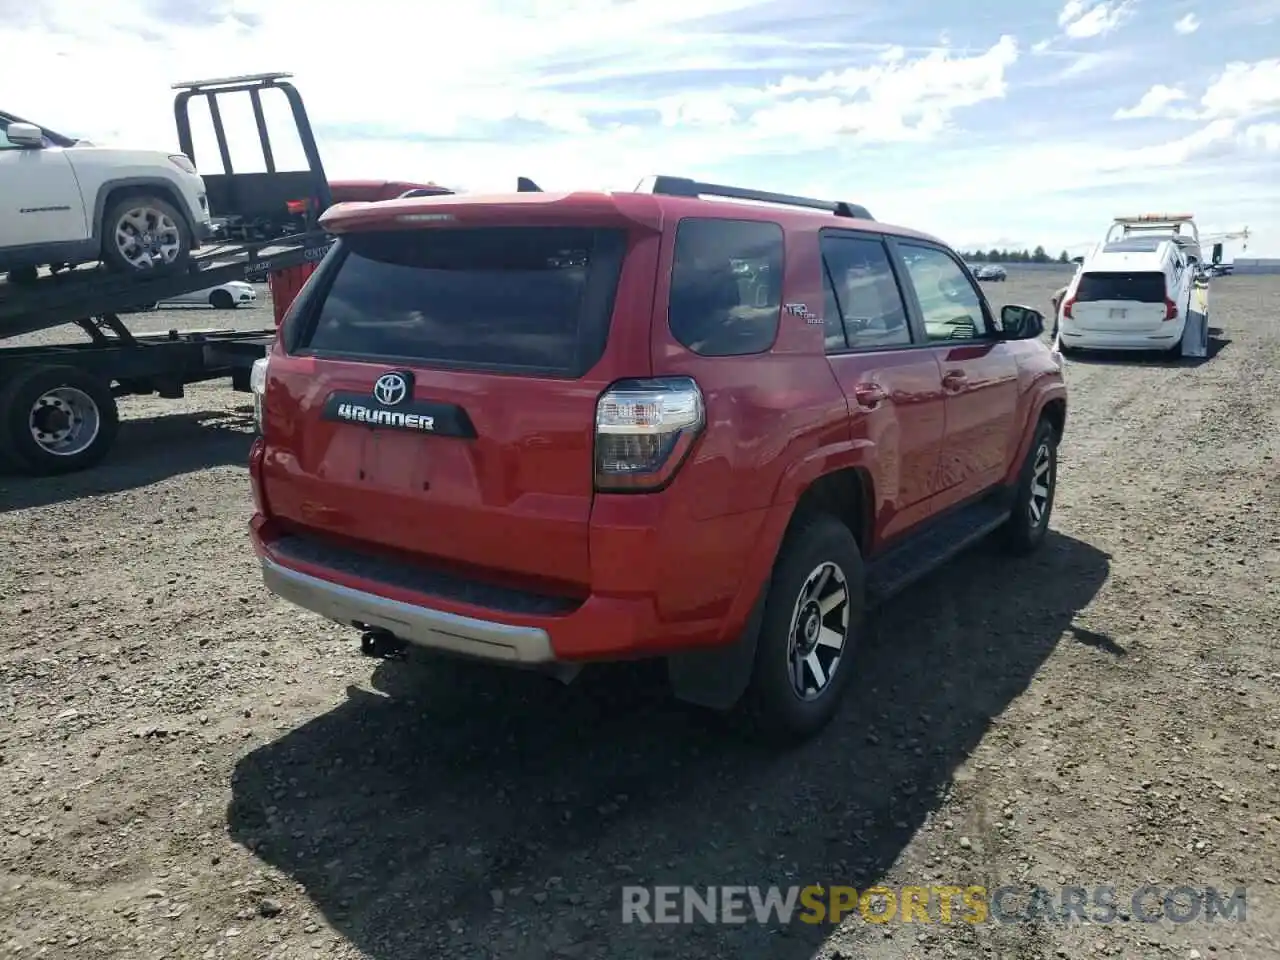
(1161, 338)
(602, 627)
(422, 626)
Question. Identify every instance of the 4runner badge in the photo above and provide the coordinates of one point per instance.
(390, 390)
(802, 311)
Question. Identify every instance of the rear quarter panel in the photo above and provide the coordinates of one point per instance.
(775, 421)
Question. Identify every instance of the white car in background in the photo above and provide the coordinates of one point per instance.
(64, 202)
(225, 296)
(1131, 294)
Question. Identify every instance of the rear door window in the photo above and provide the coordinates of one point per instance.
(528, 299)
(1137, 287)
(726, 286)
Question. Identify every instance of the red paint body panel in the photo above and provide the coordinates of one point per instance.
(648, 573)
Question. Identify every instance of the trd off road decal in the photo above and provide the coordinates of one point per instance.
(802, 311)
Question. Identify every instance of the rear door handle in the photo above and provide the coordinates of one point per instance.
(955, 380)
(869, 395)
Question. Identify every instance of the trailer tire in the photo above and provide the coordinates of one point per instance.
(56, 420)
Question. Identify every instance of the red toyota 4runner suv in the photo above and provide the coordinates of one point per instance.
(544, 429)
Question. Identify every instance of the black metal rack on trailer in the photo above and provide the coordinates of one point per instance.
(57, 402)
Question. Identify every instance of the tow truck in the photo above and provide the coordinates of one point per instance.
(58, 411)
(1181, 227)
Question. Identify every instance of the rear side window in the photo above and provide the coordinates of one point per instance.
(528, 299)
(726, 286)
(867, 293)
(1138, 287)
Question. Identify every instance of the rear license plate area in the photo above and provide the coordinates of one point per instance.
(1117, 313)
(394, 460)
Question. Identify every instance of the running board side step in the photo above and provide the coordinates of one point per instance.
(905, 563)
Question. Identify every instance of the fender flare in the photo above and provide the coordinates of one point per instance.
(162, 186)
(717, 677)
(1044, 396)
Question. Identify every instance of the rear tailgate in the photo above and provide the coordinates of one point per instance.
(499, 338)
(1120, 302)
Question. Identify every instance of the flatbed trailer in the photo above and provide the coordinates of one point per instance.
(58, 409)
(57, 401)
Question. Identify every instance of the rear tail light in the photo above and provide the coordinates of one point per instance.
(1170, 309)
(644, 431)
(256, 454)
(258, 386)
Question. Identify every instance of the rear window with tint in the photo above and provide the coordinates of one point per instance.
(533, 299)
(1139, 287)
(726, 286)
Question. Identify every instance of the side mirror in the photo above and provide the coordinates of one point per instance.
(25, 135)
(1021, 323)
(1077, 260)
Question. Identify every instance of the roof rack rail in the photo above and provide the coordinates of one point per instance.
(686, 187)
(246, 81)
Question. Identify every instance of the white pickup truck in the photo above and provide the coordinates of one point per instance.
(64, 202)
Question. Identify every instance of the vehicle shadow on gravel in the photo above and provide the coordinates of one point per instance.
(147, 450)
(468, 811)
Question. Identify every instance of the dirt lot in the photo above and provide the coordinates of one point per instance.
(189, 768)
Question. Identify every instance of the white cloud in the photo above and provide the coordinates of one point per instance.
(1244, 89)
(1082, 20)
(1240, 90)
(1262, 136)
(1156, 102)
(405, 101)
(1187, 25)
(598, 93)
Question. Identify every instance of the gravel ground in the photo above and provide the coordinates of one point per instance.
(189, 768)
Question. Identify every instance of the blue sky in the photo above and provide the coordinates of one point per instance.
(1000, 124)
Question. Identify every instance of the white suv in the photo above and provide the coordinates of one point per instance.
(1130, 294)
(64, 202)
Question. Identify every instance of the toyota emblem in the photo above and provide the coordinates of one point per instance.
(391, 389)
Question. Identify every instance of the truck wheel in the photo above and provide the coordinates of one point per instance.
(221, 300)
(808, 633)
(1028, 522)
(144, 233)
(57, 420)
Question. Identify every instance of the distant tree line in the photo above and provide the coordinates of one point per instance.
(1038, 255)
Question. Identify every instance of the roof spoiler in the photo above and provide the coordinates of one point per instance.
(685, 187)
(523, 185)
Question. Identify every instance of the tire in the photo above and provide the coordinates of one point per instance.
(161, 227)
(221, 300)
(814, 554)
(1028, 521)
(63, 392)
